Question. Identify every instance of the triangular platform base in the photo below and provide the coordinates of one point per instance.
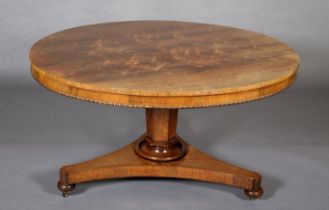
(194, 165)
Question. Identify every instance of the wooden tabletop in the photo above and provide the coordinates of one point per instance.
(163, 64)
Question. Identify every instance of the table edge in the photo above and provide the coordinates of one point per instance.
(194, 101)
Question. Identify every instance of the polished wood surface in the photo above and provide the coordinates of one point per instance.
(161, 142)
(163, 64)
(196, 165)
(160, 152)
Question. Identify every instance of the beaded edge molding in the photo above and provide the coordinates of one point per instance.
(284, 83)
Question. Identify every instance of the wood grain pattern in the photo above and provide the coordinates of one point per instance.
(161, 142)
(163, 64)
(195, 165)
(161, 124)
(160, 152)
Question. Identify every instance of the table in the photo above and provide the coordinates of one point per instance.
(162, 66)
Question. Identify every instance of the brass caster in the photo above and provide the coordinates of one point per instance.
(65, 188)
(254, 194)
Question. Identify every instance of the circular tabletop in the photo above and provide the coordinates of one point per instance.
(163, 64)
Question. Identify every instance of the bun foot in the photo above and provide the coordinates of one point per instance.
(254, 194)
(65, 188)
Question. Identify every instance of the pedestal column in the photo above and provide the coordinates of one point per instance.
(160, 142)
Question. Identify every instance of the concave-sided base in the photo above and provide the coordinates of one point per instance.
(195, 165)
(160, 152)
